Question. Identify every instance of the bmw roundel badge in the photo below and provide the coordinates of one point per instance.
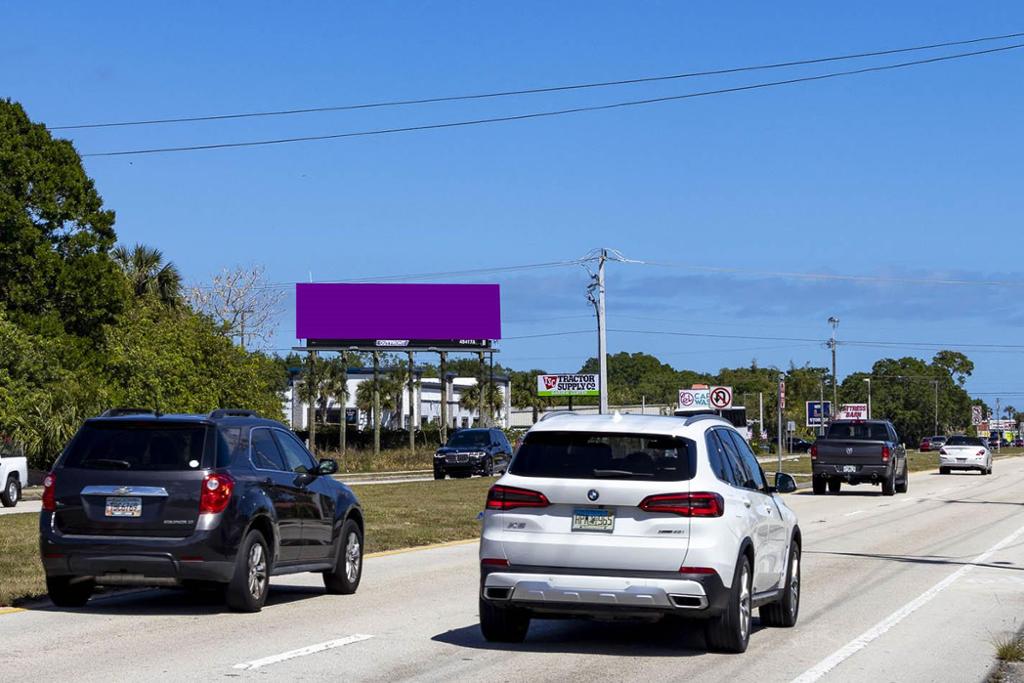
(592, 494)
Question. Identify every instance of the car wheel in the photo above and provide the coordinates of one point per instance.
(69, 591)
(818, 487)
(903, 484)
(503, 624)
(348, 568)
(489, 468)
(438, 475)
(730, 631)
(889, 485)
(943, 470)
(247, 591)
(834, 485)
(785, 611)
(11, 493)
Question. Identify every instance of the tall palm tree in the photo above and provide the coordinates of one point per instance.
(149, 274)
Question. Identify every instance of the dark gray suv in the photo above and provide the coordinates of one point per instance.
(222, 501)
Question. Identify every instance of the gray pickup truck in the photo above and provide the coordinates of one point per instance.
(860, 452)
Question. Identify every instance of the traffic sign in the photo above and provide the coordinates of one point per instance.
(782, 394)
(720, 397)
(976, 415)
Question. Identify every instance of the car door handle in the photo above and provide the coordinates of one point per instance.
(746, 503)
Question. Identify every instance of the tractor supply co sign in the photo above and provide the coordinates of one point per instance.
(717, 398)
(568, 385)
(853, 411)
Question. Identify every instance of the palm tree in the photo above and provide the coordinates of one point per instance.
(149, 274)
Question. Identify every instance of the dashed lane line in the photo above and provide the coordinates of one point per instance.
(301, 652)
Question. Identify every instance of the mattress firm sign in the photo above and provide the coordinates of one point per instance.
(568, 385)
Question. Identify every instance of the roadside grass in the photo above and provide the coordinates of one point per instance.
(397, 516)
(392, 460)
(1009, 648)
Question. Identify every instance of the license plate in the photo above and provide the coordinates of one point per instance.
(849, 469)
(124, 507)
(961, 459)
(593, 520)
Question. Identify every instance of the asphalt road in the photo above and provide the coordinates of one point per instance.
(910, 588)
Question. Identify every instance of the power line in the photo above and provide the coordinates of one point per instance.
(548, 114)
(533, 91)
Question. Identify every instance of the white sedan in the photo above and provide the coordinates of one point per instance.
(965, 453)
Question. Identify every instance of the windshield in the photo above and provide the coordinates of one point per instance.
(864, 431)
(965, 441)
(470, 437)
(582, 455)
(137, 446)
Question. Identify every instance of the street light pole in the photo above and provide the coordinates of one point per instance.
(868, 380)
(602, 342)
(936, 383)
(834, 322)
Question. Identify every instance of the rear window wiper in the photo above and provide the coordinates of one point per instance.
(107, 464)
(620, 473)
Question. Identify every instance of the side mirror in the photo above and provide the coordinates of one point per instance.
(327, 467)
(784, 483)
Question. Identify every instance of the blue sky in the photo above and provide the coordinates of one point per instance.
(912, 173)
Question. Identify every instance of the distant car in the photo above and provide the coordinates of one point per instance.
(797, 445)
(938, 442)
(965, 453)
(222, 501)
(1018, 443)
(925, 445)
(13, 474)
(473, 451)
(993, 442)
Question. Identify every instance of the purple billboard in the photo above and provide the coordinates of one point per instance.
(397, 311)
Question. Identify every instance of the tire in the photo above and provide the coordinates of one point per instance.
(730, 631)
(903, 484)
(67, 591)
(943, 470)
(818, 487)
(11, 493)
(889, 485)
(438, 475)
(348, 567)
(247, 591)
(834, 485)
(503, 624)
(489, 468)
(784, 613)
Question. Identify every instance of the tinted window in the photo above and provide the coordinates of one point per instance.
(229, 441)
(965, 441)
(265, 453)
(471, 437)
(718, 459)
(295, 456)
(747, 457)
(140, 446)
(582, 455)
(744, 477)
(858, 430)
(502, 441)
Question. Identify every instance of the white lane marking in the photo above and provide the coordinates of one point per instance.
(855, 512)
(301, 652)
(864, 639)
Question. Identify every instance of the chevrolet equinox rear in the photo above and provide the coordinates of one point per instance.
(221, 501)
(638, 517)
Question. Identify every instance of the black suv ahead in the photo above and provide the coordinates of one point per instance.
(473, 451)
(223, 501)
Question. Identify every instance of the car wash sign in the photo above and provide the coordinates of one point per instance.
(695, 399)
(568, 385)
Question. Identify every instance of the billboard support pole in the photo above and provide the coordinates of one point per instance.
(602, 342)
(481, 401)
(412, 408)
(314, 390)
(343, 426)
(444, 398)
(376, 404)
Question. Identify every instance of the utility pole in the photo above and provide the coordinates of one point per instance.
(936, 406)
(602, 343)
(376, 404)
(999, 416)
(834, 322)
(760, 414)
(868, 380)
(821, 408)
(412, 406)
(444, 398)
(780, 396)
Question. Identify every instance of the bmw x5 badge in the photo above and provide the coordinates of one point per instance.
(592, 494)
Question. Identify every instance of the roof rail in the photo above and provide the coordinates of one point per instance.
(555, 413)
(221, 413)
(119, 412)
(705, 416)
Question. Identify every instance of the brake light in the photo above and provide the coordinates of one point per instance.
(50, 493)
(981, 452)
(814, 452)
(215, 493)
(885, 454)
(494, 562)
(685, 504)
(509, 498)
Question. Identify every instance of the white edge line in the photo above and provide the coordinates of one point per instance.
(864, 639)
(301, 652)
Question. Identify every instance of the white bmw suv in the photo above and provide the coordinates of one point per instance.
(638, 517)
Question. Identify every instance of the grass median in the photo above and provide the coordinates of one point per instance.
(397, 516)
(917, 462)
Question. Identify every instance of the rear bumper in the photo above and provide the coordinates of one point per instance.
(136, 561)
(864, 474)
(558, 591)
(971, 463)
(460, 468)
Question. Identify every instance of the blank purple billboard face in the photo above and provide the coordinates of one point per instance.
(397, 311)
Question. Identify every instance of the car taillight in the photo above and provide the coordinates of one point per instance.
(814, 452)
(215, 493)
(50, 493)
(509, 497)
(981, 452)
(685, 504)
(885, 454)
(494, 562)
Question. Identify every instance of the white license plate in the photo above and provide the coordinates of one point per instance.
(961, 459)
(593, 520)
(849, 469)
(124, 507)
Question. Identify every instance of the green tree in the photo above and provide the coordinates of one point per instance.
(148, 274)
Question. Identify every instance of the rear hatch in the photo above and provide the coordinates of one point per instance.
(133, 478)
(849, 452)
(964, 448)
(594, 484)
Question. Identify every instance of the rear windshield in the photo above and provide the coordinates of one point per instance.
(858, 430)
(965, 441)
(137, 446)
(470, 438)
(581, 455)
